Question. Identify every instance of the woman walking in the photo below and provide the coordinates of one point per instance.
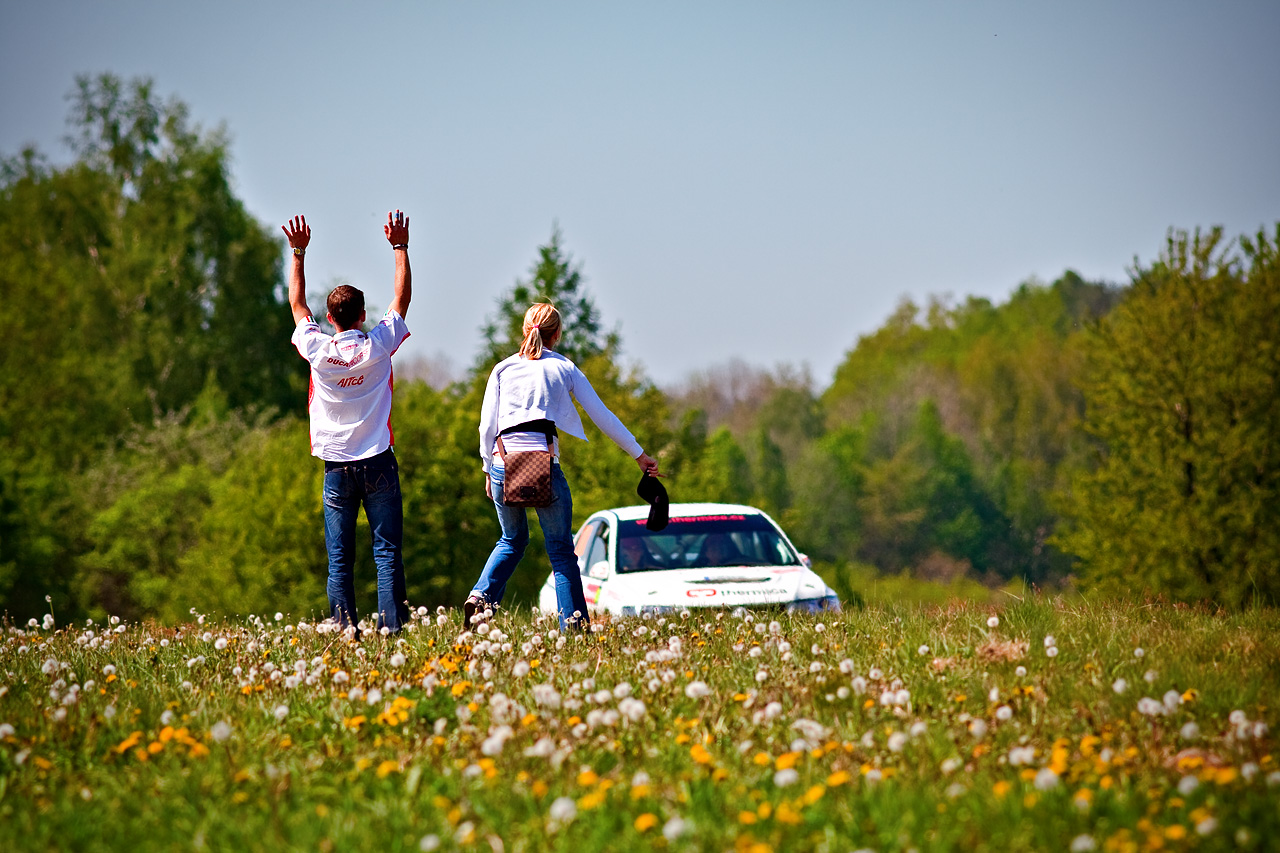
(527, 402)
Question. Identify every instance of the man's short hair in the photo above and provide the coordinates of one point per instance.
(345, 305)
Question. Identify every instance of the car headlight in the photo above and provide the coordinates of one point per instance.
(815, 605)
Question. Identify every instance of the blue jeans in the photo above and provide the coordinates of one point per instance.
(374, 482)
(557, 523)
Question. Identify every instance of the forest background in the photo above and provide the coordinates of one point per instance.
(153, 440)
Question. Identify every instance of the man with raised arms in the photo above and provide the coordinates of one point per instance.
(349, 405)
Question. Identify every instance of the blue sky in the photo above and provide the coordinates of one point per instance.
(754, 180)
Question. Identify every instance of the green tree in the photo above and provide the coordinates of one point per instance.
(554, 278)
(154, 285)
(1183, 390)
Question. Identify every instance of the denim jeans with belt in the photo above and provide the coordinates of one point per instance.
(375, 483)
(557, 523)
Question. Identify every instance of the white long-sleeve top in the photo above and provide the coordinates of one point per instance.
(521, 390)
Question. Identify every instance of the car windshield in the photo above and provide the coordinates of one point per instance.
(702, 541)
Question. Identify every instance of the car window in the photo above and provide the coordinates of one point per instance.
(598, 549)
(703, 542)
(586, 536)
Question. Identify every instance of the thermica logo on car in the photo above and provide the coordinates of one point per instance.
(693, 518)
(701, 593)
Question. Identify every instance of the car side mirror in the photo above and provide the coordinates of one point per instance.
(599, 571)
(805, 561)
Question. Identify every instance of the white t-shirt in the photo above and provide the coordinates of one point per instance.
(349, 399)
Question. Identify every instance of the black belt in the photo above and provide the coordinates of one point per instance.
(379, 457)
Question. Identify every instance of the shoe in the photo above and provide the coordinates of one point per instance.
(473, 603)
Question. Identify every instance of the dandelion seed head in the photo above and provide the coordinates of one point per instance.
(1138, 652)
(1004, 712)
(221, 731)
(1083, 844)
(993, 621)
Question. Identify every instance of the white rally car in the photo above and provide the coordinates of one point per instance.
(709, 555)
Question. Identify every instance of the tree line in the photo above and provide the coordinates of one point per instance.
(154, 454)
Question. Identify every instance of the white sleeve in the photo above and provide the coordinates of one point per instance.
(390, 332)
(601, 416)
(308, 338)
(489, 419)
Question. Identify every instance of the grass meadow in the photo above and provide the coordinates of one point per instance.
(1037, 724)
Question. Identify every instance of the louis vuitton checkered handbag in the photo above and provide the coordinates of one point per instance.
(527, 476)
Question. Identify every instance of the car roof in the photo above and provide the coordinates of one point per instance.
(631, 513)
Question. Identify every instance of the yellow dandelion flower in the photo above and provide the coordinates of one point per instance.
(588, 777)
(739, 697)
(591, 800)
(1226, 775)
(645, 822)
(539, 788)
(747, 818)
(242, 776)
(364, 764)
(699, 754)
(840, 777)
(141, 754)
(682, 738)
(719, 774)
(129, 743)
(1190, 695)
(786, 814)
(354, 722)
(639, 791)
(198, 750)
(1001, 788)
(458, 689)
(528, 719)
(322, 810)
(787, 759)
(1175, 832)
(1029, 801)
(388, 767)
(764, 810)
(762, 759)
(43, 763)
(814, 794)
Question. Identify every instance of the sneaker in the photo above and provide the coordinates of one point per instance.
(473, 603)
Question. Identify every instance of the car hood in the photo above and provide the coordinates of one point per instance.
(730, 586)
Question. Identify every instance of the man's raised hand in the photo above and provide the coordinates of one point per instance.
(397, 229)
(298, 232)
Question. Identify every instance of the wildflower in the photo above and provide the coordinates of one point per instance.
(563, 810)
(1046, 779)
(1187, 785)
(1206, 826)
(1138, 652)
(1021, 672)
(897, 741)
(978, 728)
(674, 828)
(6, 730)
(397, 660)
(1248, 770)
(1171, 699)
(954, 790)
(923, 650)
(340, 677)
(221, 731)
(220, 643)
(1189, 731)
(1004, 712)
(1052, 651)
(1050, 642)
(1120, 686)
(429, 842)
(786, 776)
(279, 617)
(1237, 718)
(1020, 755)
(281, 712)
(993, 621)
(875, 674)
(1083, 844)
(645, 822)
(1149, 676)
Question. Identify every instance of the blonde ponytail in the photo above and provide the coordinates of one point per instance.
(541, 329)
